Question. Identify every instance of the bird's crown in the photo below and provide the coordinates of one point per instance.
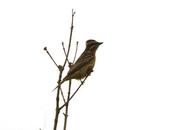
(91, 42)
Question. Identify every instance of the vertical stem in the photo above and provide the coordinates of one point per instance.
(61, 107)
(67, 106)
(57, 110)
(70, 40)
(57, 102)
(75, 52)
(60, 76)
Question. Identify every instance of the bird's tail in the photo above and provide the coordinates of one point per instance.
(58, 85)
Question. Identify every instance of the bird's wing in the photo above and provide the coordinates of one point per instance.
(81, 62)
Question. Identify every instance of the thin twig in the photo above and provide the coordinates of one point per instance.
(59, 67)
(74, 93)
(57, 101)
(62, 94)
(65, 52)
(70, 38)
(64, 49)
(75, 52)
(67, 106)
(45, 48)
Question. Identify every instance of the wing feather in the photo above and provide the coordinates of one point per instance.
(84, 59)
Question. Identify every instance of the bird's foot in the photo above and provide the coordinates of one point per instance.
(89, 72)
(81, 81)
(70, 64)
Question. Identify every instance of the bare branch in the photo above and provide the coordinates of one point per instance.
(74, 93)
(73, 12)
(65, 52)
(58, 66)
(60, 76)
(45, 48)
(63, 48)
(62, 94)
(70, 38)
(75, 52)
(69, 90)
(67, 106)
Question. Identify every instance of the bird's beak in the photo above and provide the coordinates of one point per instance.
(100, 43)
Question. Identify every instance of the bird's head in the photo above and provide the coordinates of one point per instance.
(92, 44)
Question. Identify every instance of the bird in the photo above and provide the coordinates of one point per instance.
(84, 64)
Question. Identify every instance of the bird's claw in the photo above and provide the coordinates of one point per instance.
(81, 81)
(89, 72)
(70, 64)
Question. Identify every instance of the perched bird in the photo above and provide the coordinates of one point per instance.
(85, 63)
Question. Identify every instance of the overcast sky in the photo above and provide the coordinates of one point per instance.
(133, 83)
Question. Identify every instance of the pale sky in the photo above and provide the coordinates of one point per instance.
(133, 83)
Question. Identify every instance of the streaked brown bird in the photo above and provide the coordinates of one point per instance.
(85, 63)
